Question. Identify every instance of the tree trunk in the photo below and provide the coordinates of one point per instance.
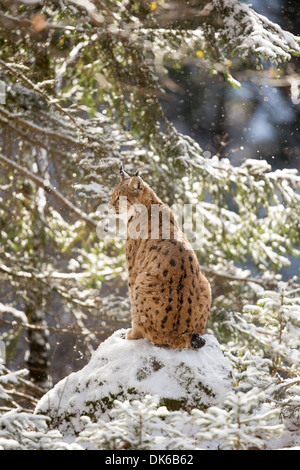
(36, 295)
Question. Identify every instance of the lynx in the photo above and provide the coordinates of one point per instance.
(170, 297)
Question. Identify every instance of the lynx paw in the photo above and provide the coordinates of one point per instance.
(131, 334)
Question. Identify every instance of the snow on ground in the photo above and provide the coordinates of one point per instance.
(127, 370)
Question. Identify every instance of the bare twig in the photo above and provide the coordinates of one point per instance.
(91, 10)
(49, 189)
(60, 330)
(27, 23)
(48, 132)
(229, 277)
(34, 141)
(38, 129)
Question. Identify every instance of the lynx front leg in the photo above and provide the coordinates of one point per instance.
(141, 311)
(135, 332)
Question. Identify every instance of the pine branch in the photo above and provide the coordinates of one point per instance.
(36, 88)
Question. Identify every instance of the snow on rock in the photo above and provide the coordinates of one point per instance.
(126, 370)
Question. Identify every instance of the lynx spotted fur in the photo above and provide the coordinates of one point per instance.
(170, 297)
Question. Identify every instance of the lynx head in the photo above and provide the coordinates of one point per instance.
(128, 192)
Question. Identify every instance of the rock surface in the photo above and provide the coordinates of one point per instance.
(125, 370)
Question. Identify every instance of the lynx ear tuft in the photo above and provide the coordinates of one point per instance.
(123, 174)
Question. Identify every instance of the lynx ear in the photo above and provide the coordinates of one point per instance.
(123, 174)
(136, 183)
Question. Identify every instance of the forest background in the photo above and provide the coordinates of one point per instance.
(203, 98)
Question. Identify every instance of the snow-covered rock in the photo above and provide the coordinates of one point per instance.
(126, 370)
